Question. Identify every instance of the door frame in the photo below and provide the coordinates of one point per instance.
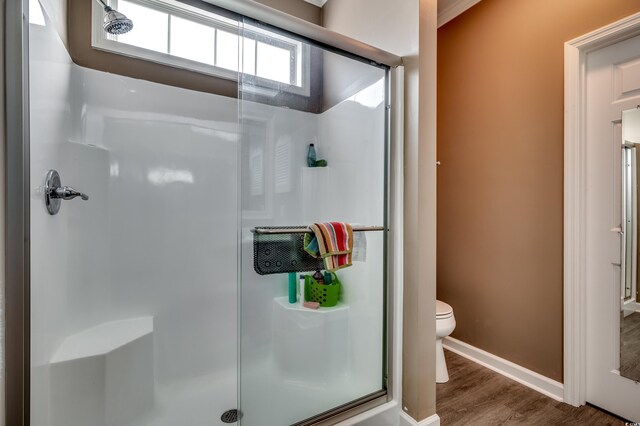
(575, 170)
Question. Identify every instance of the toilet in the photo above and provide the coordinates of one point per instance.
(445, 323)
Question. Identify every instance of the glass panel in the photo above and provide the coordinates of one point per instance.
(274, 63)
(297, 362)
(227, 54)
(133, 291)
(192, 40)
(152, 27)
(249, 56)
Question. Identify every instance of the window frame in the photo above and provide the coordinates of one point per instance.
(298, 51)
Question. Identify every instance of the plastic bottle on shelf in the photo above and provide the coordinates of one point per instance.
(301, 291)
(311, 156)
(292, 287)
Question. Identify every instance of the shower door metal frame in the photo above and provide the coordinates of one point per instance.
(16, 207)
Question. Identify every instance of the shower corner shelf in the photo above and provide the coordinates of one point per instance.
(103, 339)
(102, 367)
(327, 167)
(283, 302)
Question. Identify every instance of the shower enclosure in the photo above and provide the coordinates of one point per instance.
(147, 304)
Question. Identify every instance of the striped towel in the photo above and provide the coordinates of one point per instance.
(331, 241)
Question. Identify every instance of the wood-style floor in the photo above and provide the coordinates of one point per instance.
(475, 395)
(630, 346)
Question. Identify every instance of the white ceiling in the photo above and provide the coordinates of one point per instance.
(318, 3)
(447, 9)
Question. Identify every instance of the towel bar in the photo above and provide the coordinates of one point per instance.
(271, 231)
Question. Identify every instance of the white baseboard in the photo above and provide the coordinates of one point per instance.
(407, 420)
(529, 378)
(631, 305)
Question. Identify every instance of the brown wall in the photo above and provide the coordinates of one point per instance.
(500, 182)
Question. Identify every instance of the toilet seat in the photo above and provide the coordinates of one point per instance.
(443, 310)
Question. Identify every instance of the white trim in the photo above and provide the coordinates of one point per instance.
(575, 52)
(396, 217)
(513, 371)
(407, 420)
(456, 8)
(631, 305)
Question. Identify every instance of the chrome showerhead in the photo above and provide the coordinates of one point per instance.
(115, 22)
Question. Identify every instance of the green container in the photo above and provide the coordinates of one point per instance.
(326, 295)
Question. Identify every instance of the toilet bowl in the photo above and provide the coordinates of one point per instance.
(445, 323)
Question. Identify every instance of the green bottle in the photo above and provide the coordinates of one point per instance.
(292, 287)
(311, 156)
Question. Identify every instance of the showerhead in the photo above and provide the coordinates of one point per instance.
(115, 22)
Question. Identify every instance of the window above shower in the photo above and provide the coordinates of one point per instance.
(179, 35)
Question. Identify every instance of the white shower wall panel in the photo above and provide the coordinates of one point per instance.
(50, 117)
(173, 216)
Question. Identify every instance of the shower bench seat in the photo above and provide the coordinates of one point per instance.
(104, 374)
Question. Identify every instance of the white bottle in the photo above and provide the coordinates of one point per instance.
(301, 290)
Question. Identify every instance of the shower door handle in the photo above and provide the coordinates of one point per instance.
(54, 192)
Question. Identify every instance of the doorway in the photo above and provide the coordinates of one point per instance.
(602, 81)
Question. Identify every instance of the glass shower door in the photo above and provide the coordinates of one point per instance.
(133, 290)
(297, 362)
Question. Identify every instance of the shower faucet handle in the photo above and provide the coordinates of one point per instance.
(54, 192)
(68, 193)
